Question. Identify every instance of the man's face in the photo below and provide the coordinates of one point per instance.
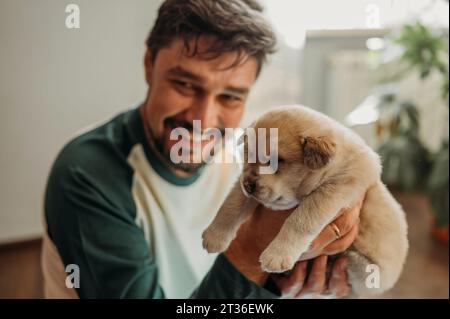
(184, 88)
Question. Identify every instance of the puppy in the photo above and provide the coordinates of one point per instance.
(322, 167)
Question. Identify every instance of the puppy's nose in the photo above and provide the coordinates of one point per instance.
(249, 186)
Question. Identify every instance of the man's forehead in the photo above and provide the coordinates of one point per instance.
(176, 58)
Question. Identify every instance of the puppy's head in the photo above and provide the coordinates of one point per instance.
(302, 160)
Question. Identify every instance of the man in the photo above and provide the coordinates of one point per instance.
(129, 219)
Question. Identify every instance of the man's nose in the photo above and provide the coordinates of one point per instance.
(204, 109)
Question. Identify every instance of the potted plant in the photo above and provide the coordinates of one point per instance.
(407, 163)
(423, 52)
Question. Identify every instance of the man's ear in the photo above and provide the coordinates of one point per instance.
(148, 63)
(317, 151)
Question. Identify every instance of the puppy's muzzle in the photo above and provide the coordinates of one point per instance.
(249, 185)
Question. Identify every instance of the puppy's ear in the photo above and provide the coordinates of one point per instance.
(317, 151)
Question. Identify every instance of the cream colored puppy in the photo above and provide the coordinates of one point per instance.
(322, 167)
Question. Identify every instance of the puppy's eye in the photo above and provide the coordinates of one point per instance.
(280, 162)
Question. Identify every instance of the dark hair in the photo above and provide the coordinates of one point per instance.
(235, 25)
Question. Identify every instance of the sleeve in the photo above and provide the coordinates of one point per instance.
(224, 281)
(92, 231)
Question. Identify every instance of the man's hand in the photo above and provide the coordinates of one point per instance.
(262, 227)
(327, 242)
(297, 284)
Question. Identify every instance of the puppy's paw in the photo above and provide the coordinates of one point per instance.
(215, 241)
(277, 260)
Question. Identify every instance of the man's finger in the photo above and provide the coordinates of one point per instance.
(342, 226)
(325, 237)
(340, 233)
(338, 284)
(342, 244)
(347, 219)
(291, 284)
(315, 284)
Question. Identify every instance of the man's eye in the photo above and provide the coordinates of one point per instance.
(231, 98)
(183, 85)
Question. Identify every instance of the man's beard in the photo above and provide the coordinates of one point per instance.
(164, 151)
(190, 168)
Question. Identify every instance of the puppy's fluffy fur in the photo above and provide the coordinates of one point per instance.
(323, 167)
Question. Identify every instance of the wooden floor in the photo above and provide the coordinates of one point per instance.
(425, 274)
(426, 270)
(20, 270)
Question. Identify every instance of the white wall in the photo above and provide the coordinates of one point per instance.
(338, 74)
(280, 83)
(55, 81)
